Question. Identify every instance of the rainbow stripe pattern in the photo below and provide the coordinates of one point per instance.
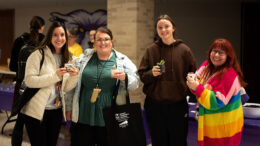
(221, 118)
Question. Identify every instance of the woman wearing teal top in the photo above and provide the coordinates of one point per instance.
(95, 88)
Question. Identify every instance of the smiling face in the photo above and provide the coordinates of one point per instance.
(218, 57)
(58, 38)
(103, 44)
(165, 29)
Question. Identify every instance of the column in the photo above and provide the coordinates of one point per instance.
(132, 24)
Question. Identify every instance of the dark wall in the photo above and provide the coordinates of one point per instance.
(199, 22)
(250, 49)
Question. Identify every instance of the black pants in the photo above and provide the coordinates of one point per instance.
(168, 123)
(45, 132)
(17, 135)
(85, 135)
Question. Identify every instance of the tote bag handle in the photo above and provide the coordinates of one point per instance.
(116, 92)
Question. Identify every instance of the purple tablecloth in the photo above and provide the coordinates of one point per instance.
(252, 122)
(6, 99)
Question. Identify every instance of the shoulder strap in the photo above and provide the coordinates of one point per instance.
(35, 89)
(42, 60)
(126, 88)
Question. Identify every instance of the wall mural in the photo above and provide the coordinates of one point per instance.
(82, 19)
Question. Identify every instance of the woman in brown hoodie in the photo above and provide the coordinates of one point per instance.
(165, 105)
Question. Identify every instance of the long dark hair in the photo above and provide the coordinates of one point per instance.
(166, 17)
(231, 60)
(47, 42)
(36, 24)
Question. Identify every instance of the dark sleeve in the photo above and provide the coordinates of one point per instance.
(18, 43)
(145, 69)
(192, 66)
(190, 60)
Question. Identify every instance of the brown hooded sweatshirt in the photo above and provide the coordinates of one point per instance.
(170, 87)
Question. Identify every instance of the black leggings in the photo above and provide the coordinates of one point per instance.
(168, 123)
(17, 135)
(45, 132)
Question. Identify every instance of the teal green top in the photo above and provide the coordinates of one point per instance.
(91, 113)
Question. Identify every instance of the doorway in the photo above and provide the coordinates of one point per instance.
(250, 48)
(7, 34)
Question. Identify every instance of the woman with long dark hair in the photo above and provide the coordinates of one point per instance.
(217, 86)
(30, 39)
(43, 113)
(33, 39)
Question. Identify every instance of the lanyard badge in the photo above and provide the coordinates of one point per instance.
(94, 95)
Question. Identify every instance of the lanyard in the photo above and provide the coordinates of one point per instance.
(57, 89)
(58, 86)
(99, 75)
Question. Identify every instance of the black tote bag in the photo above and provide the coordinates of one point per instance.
(124, 123)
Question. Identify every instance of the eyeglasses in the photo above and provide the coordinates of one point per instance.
(221, 53)
(103, 40)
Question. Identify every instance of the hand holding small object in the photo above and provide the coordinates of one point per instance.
(115, 73)
(68, 66)
(191, 75)
(118, 74)
(156, 71)
(192, 82)
(60, 72)
(73, 71)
